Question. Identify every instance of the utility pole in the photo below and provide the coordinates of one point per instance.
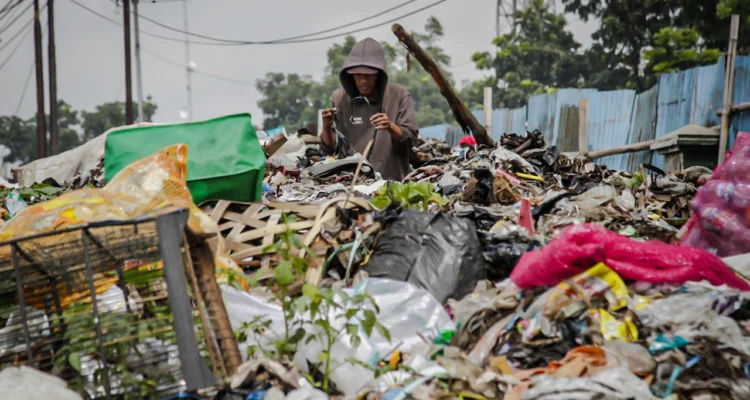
(138, 71)
(54, 134)
(128, 73)
(188, 69)
(41, 128)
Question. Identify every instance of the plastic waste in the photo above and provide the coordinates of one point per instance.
(612, 384)
(663, 343)
(405, 310)
(720, 221)
(630, 355)
(306, 393)
(434, 251)
(580, 246)
(14, 204)
(29, 384)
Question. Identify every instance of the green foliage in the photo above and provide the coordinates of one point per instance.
(19, 134)
(628, 29)
(34, 193)
(111, 115)
(677, 49)
(292, 100)
(538, 55)
(325, 307)
(412, 195)
(311, 316)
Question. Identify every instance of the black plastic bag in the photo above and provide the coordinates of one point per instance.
(436, 252)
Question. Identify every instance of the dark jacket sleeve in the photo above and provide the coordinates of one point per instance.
(407, 121)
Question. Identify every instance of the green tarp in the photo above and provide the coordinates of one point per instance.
(225, 159)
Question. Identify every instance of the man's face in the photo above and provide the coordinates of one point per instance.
(365, 83)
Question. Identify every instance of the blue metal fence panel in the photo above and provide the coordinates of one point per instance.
(499, 121)
(609, 116)
(709, 94)
(642, 126)
(674, 106)
(740, 122)
(566, 98)
(518, 121)
(541, 114)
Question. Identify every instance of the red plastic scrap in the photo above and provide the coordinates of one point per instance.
(580, 247)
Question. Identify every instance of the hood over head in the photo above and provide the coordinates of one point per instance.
(366, 53)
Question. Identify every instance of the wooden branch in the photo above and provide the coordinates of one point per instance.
(464, 117)
(739, 107)
(629, 148)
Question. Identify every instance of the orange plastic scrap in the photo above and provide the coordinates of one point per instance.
(580, 362)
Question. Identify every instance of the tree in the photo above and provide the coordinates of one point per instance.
(293, 100)
(110, 115)
(676, 49)
(655, 30)
(537, 56)
(18, 135)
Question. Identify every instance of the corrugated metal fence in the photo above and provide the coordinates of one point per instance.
(621, 117)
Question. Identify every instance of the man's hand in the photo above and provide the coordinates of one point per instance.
(328, 118)
(381, 122)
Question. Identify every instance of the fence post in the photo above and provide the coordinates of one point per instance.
(583, 111)
(488, 110)
(728, 87)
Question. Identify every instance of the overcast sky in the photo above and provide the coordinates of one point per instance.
(90, 49)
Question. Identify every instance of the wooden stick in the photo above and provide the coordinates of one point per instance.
(464, 117)
(739, 107)
(356, 172)
(583, 112)
(728, 87)
(628, 148)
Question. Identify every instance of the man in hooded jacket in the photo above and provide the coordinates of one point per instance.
(367, 108)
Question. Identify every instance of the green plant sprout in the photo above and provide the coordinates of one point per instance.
(417, 196)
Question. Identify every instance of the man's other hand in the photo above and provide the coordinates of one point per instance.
(380, 121)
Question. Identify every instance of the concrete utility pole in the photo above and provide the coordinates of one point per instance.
(138, 70)
(128, 73)
(188, 68)
(41, 128)
(54, 134)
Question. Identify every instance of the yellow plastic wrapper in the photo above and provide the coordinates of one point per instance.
(596, 281)
(614, 329)
(149, 187)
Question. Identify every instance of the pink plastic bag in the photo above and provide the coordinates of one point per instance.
(719, 222)
(580, 247)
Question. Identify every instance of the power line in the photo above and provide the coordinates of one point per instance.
(118, 23)
(8, 8)
(288, 41)
(22, 30)
(25, 89)
(15, 19)
(176, 64)
(15, 49)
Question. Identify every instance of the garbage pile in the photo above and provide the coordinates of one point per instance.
(558, 279)
(517, 272)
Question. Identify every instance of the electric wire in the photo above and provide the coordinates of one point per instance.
(283, 41)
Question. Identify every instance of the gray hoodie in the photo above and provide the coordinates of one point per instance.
(389, 157)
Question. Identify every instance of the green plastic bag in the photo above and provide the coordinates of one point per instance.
(225, 159)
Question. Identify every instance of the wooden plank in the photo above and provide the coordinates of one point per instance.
(245, 218)
(728, 86)
(259, 233)
(221, 207)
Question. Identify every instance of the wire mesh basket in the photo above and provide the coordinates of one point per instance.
(117, 309)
